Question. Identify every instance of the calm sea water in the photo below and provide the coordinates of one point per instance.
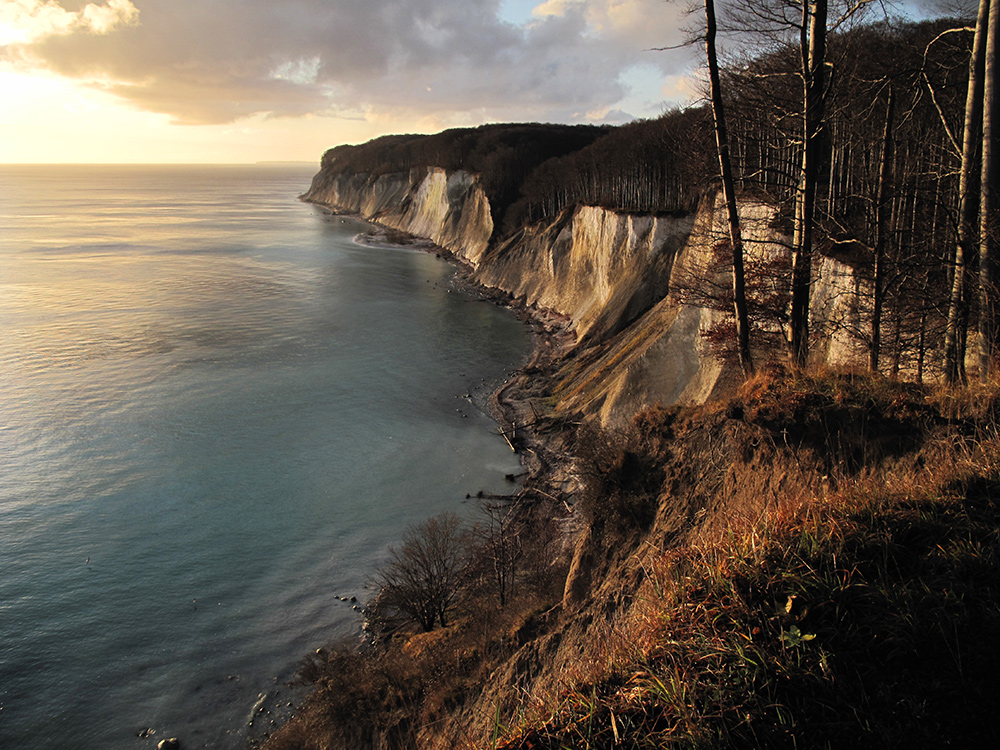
(216, 412)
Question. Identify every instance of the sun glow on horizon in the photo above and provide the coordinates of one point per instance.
(48, 119)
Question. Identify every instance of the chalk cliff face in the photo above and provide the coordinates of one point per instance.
(449, 209)
(600, 269)
(624, 282)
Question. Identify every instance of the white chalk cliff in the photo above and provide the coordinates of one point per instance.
(615, 277)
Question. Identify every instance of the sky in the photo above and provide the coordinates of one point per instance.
(238, 81)
(242, 81)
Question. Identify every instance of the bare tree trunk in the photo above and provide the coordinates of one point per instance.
(883, 181)
(922, 347)
(897, 352)
(988, 204)
(813, 51)
(965, 248)
(729, 193)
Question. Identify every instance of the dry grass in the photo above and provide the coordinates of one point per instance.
(865, 614)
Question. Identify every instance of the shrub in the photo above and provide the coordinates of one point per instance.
(423, 577)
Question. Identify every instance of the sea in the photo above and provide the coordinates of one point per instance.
(218, 410)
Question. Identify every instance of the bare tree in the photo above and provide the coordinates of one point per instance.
(423, 577)
(968, 207)
(813, 63)
(729, 193)
(880, 234)
(502, 546)
(989, 202)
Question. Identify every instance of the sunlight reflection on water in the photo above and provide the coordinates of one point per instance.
(216, 411)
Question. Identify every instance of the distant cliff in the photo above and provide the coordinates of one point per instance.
(626, 283)
(449, 209)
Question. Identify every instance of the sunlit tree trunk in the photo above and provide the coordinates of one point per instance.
(968, 208)
(729, 194)
(880, 233)
(988, 204)
(813, 51)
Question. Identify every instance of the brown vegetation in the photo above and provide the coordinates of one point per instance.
(422, 579)
(812, 563)
(823, 572)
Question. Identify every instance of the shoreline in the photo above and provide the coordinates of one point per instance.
(539, 492)
(535, 490)
(545, 461)
(510, 406)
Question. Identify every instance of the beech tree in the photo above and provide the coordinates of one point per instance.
(977, 225)
(988, 202)
(883, 194)
(777, 20)
(813, 58)
(729, 193)
(966, 253)
(881, 219)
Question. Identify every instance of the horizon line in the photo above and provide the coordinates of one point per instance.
(274, 162)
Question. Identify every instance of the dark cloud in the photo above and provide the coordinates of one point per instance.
(216, 61)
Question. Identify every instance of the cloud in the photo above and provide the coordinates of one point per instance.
(554, 8)
(220, 61)
(101, 19)
(28, 21)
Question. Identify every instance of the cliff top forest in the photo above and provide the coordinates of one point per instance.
(810, 560)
